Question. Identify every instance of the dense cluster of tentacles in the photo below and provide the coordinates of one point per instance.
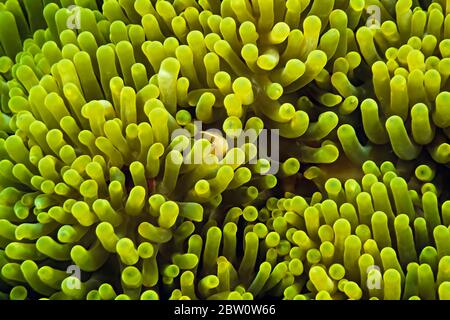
(102, 198)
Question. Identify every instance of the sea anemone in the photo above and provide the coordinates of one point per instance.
(235, 149)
